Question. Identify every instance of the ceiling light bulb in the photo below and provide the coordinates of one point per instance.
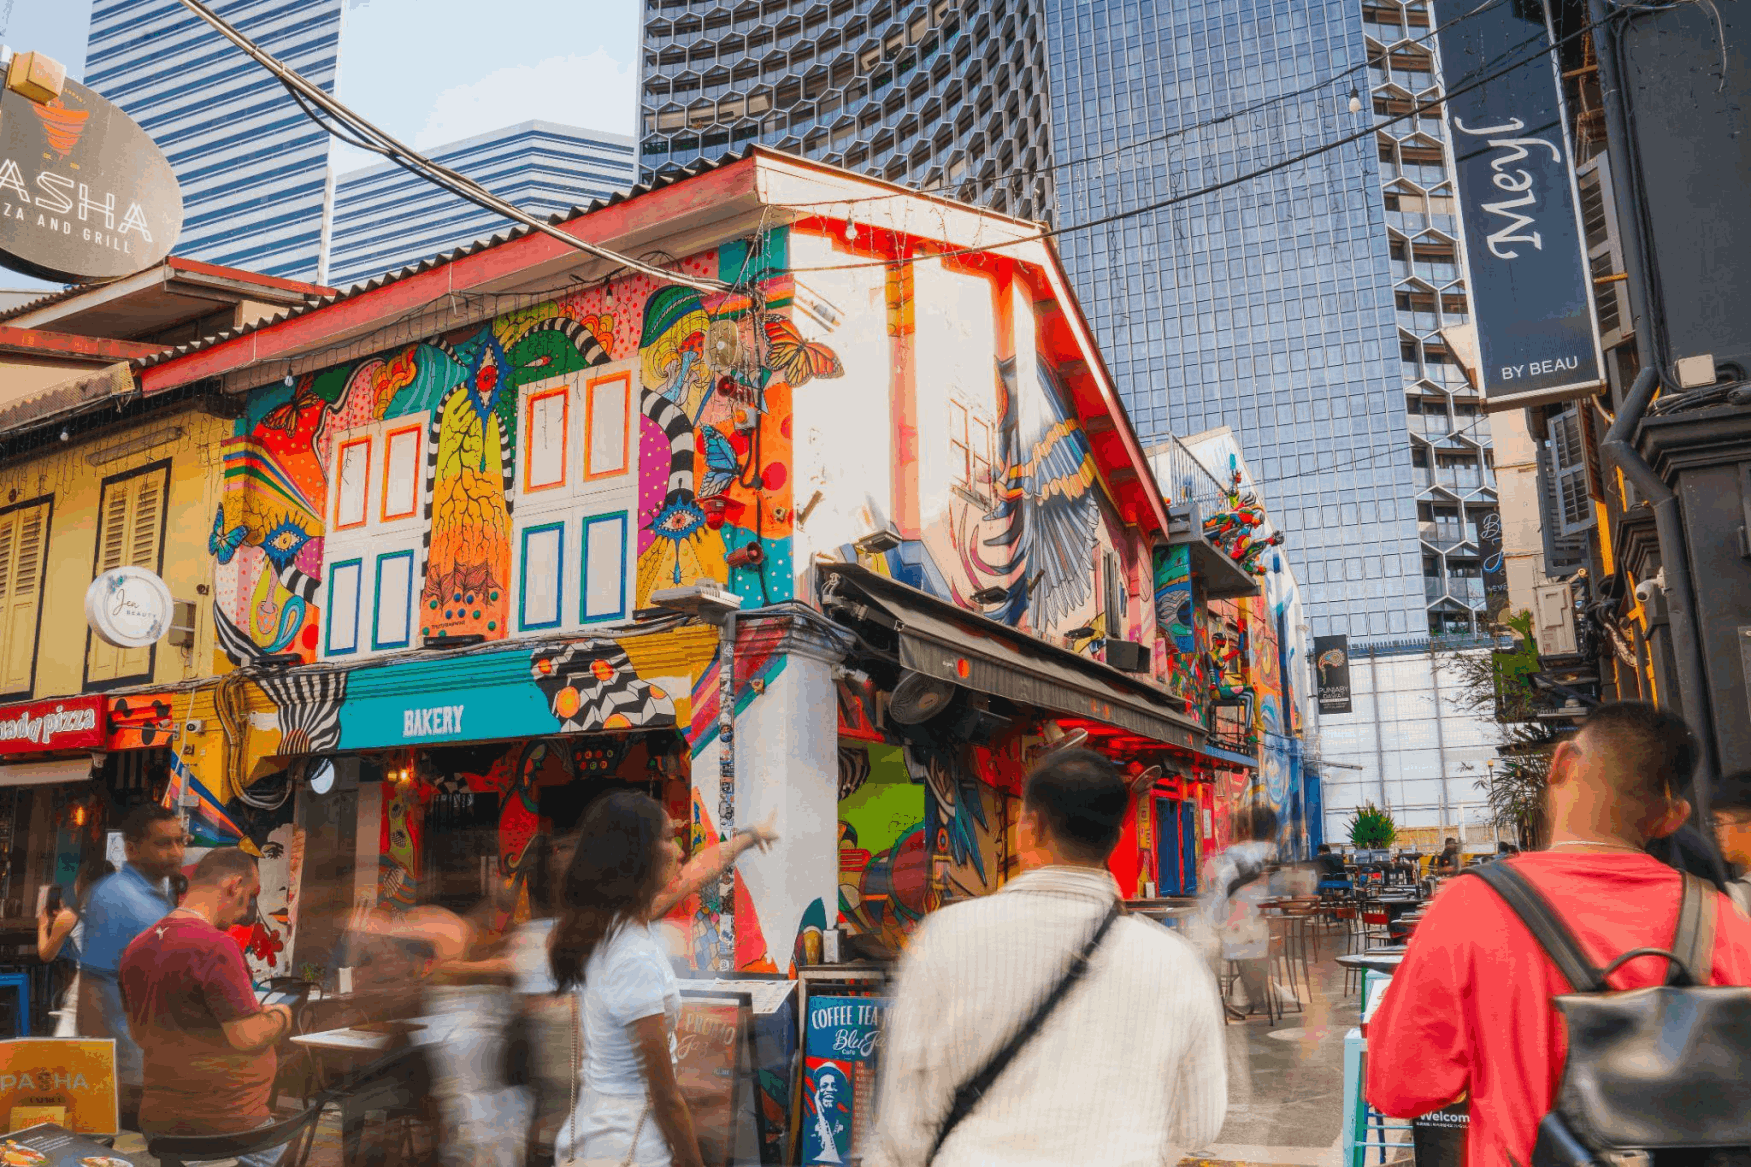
(608, 293)
(1355, 101)
(289, 381)
(850, 231)
(65, 436)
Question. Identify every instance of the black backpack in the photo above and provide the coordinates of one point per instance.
(1660, 1075)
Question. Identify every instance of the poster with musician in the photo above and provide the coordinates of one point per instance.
(839, 1076)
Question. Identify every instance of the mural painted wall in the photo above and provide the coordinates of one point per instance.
(544, 472)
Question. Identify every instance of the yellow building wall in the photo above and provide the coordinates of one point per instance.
(72, 475)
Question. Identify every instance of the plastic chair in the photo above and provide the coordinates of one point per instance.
(20, 983)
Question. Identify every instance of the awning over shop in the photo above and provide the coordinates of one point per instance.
(944, 641)
(46, 771)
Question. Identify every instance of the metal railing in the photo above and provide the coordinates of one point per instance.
(1183, 478)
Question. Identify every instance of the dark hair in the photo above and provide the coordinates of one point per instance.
(1325, 848)
(88, 877)
(1732, 792)
(139, 820)
(1263, 823)
(612, 879)
(1650, 751)
(1081, 797)
(220, 864)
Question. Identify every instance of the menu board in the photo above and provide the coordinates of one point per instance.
(839, 1076)
(56, 1146)
(707, 1042)
(68, 1079)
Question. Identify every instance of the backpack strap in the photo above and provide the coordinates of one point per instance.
(1542, 921)
(1694, 941)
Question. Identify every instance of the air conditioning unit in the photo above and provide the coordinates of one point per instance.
(1127, 655)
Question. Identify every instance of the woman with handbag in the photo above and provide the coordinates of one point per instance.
(625, 874)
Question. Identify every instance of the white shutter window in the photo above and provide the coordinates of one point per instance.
(353, 490)
(401, 461)
(604, 590)
(344, 581)
(393, 619)
(1604, 251)
(22, 563)
(131, 534)
(546, 418)
(1568, 462)
(609, 401)
(543, 568)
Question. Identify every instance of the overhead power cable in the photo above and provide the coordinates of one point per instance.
(343, 123)
(1175, 200)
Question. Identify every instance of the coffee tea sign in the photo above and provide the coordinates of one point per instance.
(85, 194)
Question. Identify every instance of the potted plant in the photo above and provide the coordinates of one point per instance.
(1372, 829)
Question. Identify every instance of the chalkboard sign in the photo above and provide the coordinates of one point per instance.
(839, 1074)
(1439, 1136)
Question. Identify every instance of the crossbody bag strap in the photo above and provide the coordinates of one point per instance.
(1694, 941)
(1542, 921)
(971, 1091)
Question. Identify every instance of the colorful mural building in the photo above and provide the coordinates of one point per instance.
(444, 540)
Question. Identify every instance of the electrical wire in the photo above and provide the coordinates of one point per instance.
(1174, 200)
(368, 137)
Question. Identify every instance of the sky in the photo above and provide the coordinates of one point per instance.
(432, 71)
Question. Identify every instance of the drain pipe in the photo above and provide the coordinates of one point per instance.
(726, 786)
(1680, 598)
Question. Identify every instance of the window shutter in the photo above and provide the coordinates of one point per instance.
(21, 567)
(1568, 456)
(1604, 251)
(133, 526)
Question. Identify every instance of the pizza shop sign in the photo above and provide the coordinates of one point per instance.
(85, 194)
(73, 723)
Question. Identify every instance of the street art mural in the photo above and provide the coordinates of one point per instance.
(708, 455)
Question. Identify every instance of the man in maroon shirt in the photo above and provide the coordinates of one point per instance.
(208, 1045)
(1468, 1014)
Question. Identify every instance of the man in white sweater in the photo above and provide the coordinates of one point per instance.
(1126, 1070)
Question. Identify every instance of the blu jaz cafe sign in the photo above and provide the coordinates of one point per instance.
(85, 195)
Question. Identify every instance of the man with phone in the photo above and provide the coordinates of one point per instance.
(208, 1044)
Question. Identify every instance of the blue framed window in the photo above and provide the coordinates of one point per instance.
(392, 622)
(542, 588)
(343, 606)
(602, 595)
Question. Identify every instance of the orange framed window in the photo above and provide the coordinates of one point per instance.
(607, 424)
(546, 426)
(353, 483)
(401, 461)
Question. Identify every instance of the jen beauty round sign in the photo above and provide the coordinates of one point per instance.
(84, 193)
(128, 607)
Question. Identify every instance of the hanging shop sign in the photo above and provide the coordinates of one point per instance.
(85, 194)
(1331, 660)
(1529, 284)
(69, 723)
(128, 607)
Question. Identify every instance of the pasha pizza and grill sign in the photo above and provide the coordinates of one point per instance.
(84, 193)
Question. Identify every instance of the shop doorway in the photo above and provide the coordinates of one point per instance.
(1176, 843)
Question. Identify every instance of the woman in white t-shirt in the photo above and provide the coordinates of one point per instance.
(625, 874)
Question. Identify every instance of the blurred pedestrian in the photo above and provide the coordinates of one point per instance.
(546, 1029)
(59, 933)
(119, 909)
(1040, 1024)
(1235, 883)
(1449, 861)
(1468, 1014)
(208, 1044)
(625, 874)
(1731, 807)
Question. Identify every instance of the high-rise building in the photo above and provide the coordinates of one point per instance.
(947, 95)
(1313, 309)
(254, 169)
(386, 217)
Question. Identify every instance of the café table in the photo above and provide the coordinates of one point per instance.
(1383, 960)
(350, 1048)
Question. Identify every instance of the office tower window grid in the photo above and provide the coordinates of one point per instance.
(253, 168)
(386, 218)
(946, 95)
(1450, 448)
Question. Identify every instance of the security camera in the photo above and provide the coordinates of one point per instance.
(1644, 591)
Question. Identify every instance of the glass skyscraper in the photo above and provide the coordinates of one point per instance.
(387, 218)
(253, 168)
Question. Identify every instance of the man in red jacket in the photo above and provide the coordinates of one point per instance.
(1468, 1014)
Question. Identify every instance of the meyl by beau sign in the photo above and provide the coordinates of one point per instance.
(1531, 289)
(84, 193)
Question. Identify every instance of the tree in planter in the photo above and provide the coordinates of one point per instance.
(1372, 829)
(1497, 686)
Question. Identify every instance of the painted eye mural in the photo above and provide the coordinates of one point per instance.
(591, 685)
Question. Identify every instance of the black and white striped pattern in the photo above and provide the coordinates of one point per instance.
(595, 680)
(309, 702)
(299, 583)
(1131, 1063)
(582, 338)
(672, 420)
(238, 648)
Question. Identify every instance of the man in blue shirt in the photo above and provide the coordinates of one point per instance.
(119, 909)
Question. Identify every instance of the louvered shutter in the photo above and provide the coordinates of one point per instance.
(1568, 463)
(132, 533)
(22, 534)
